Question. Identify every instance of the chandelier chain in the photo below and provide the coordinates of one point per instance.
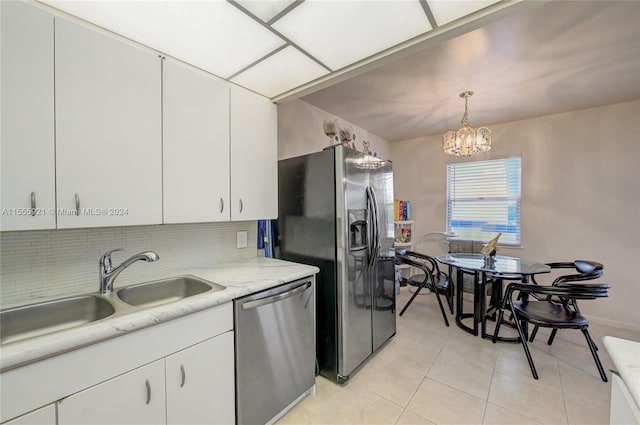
(465, 117)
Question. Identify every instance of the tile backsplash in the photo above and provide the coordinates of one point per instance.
(52, 263)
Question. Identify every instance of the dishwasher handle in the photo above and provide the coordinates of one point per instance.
(273, 298)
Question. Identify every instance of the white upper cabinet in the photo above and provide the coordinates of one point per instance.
(108, 130)
(27, 174)
(254, 156)
(99, 131)
(195, 145)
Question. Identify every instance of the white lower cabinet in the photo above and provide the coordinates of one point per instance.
(200, 383)
(624, 409)
(136, 397)
(180, 371)
(192, 386)
(43, 416)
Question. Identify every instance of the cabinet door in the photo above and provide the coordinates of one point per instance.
(195, 145)
(27, 175)
(200, 383)
(136, 397)
(254, 156)
(108, 130)
(43, 416)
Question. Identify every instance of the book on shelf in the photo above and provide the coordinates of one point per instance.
(401, 210)
(405, 235)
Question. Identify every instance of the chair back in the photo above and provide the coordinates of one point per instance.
(456, 245)
(586, 291)
(587, 266)
(428, 265)
(587, 270)
(421, 261)
(474, 247)
(568, 291)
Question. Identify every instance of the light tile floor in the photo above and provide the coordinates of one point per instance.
(431, 374)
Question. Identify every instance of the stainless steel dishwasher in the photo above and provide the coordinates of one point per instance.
(275, 350)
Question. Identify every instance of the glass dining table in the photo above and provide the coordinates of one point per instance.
(494, 269)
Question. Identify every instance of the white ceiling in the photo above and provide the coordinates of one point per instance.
(274, 47)
(548, 58)
(396, 67)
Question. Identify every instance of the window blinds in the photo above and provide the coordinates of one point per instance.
(483, 198)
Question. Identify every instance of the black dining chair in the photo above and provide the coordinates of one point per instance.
(586, 270)
(434, 279)
(465, 246)
(554, 307)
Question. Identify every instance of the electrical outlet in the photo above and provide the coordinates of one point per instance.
(241, 239)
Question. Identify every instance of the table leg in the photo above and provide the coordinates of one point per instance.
(496, 298)
(460, 314)
(477, 309)
(459, 276)
(482, 302)
(495, 304)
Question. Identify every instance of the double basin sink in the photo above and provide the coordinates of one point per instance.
(34, 320)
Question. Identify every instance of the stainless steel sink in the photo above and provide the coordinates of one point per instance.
(34, 320)
(164, 291)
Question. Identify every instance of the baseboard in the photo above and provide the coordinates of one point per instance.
(613, 323)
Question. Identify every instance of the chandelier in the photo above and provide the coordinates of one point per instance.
(466, 141)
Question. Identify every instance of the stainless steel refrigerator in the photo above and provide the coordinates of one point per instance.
(335, 211)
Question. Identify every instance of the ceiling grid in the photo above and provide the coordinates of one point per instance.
(276, 47)
(427, 12)
(270, 28)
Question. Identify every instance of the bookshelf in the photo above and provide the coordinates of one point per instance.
(404, 240)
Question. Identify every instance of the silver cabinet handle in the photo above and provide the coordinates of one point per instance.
(148, 385)
(241, 205)
(221, 204)
(77, 204)
(184, 376)
(33, 204)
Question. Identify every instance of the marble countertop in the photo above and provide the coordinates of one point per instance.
(240, 278)
(626, 358)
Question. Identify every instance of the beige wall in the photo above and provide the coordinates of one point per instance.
(580, 194)
(300, 131)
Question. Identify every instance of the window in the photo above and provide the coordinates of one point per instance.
(483, 198)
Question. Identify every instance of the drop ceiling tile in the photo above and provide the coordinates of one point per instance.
(212, 35)
(445, 11)
(285, 70)
(339, 33)
(265, 9)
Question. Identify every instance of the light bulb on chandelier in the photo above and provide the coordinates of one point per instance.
(466, 141)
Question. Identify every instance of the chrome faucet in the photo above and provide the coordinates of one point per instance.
(108, 274)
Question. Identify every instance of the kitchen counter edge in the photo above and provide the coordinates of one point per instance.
(241, 278)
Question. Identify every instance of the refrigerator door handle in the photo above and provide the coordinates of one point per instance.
(376, 223)
(370, 229)
(375, 236)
